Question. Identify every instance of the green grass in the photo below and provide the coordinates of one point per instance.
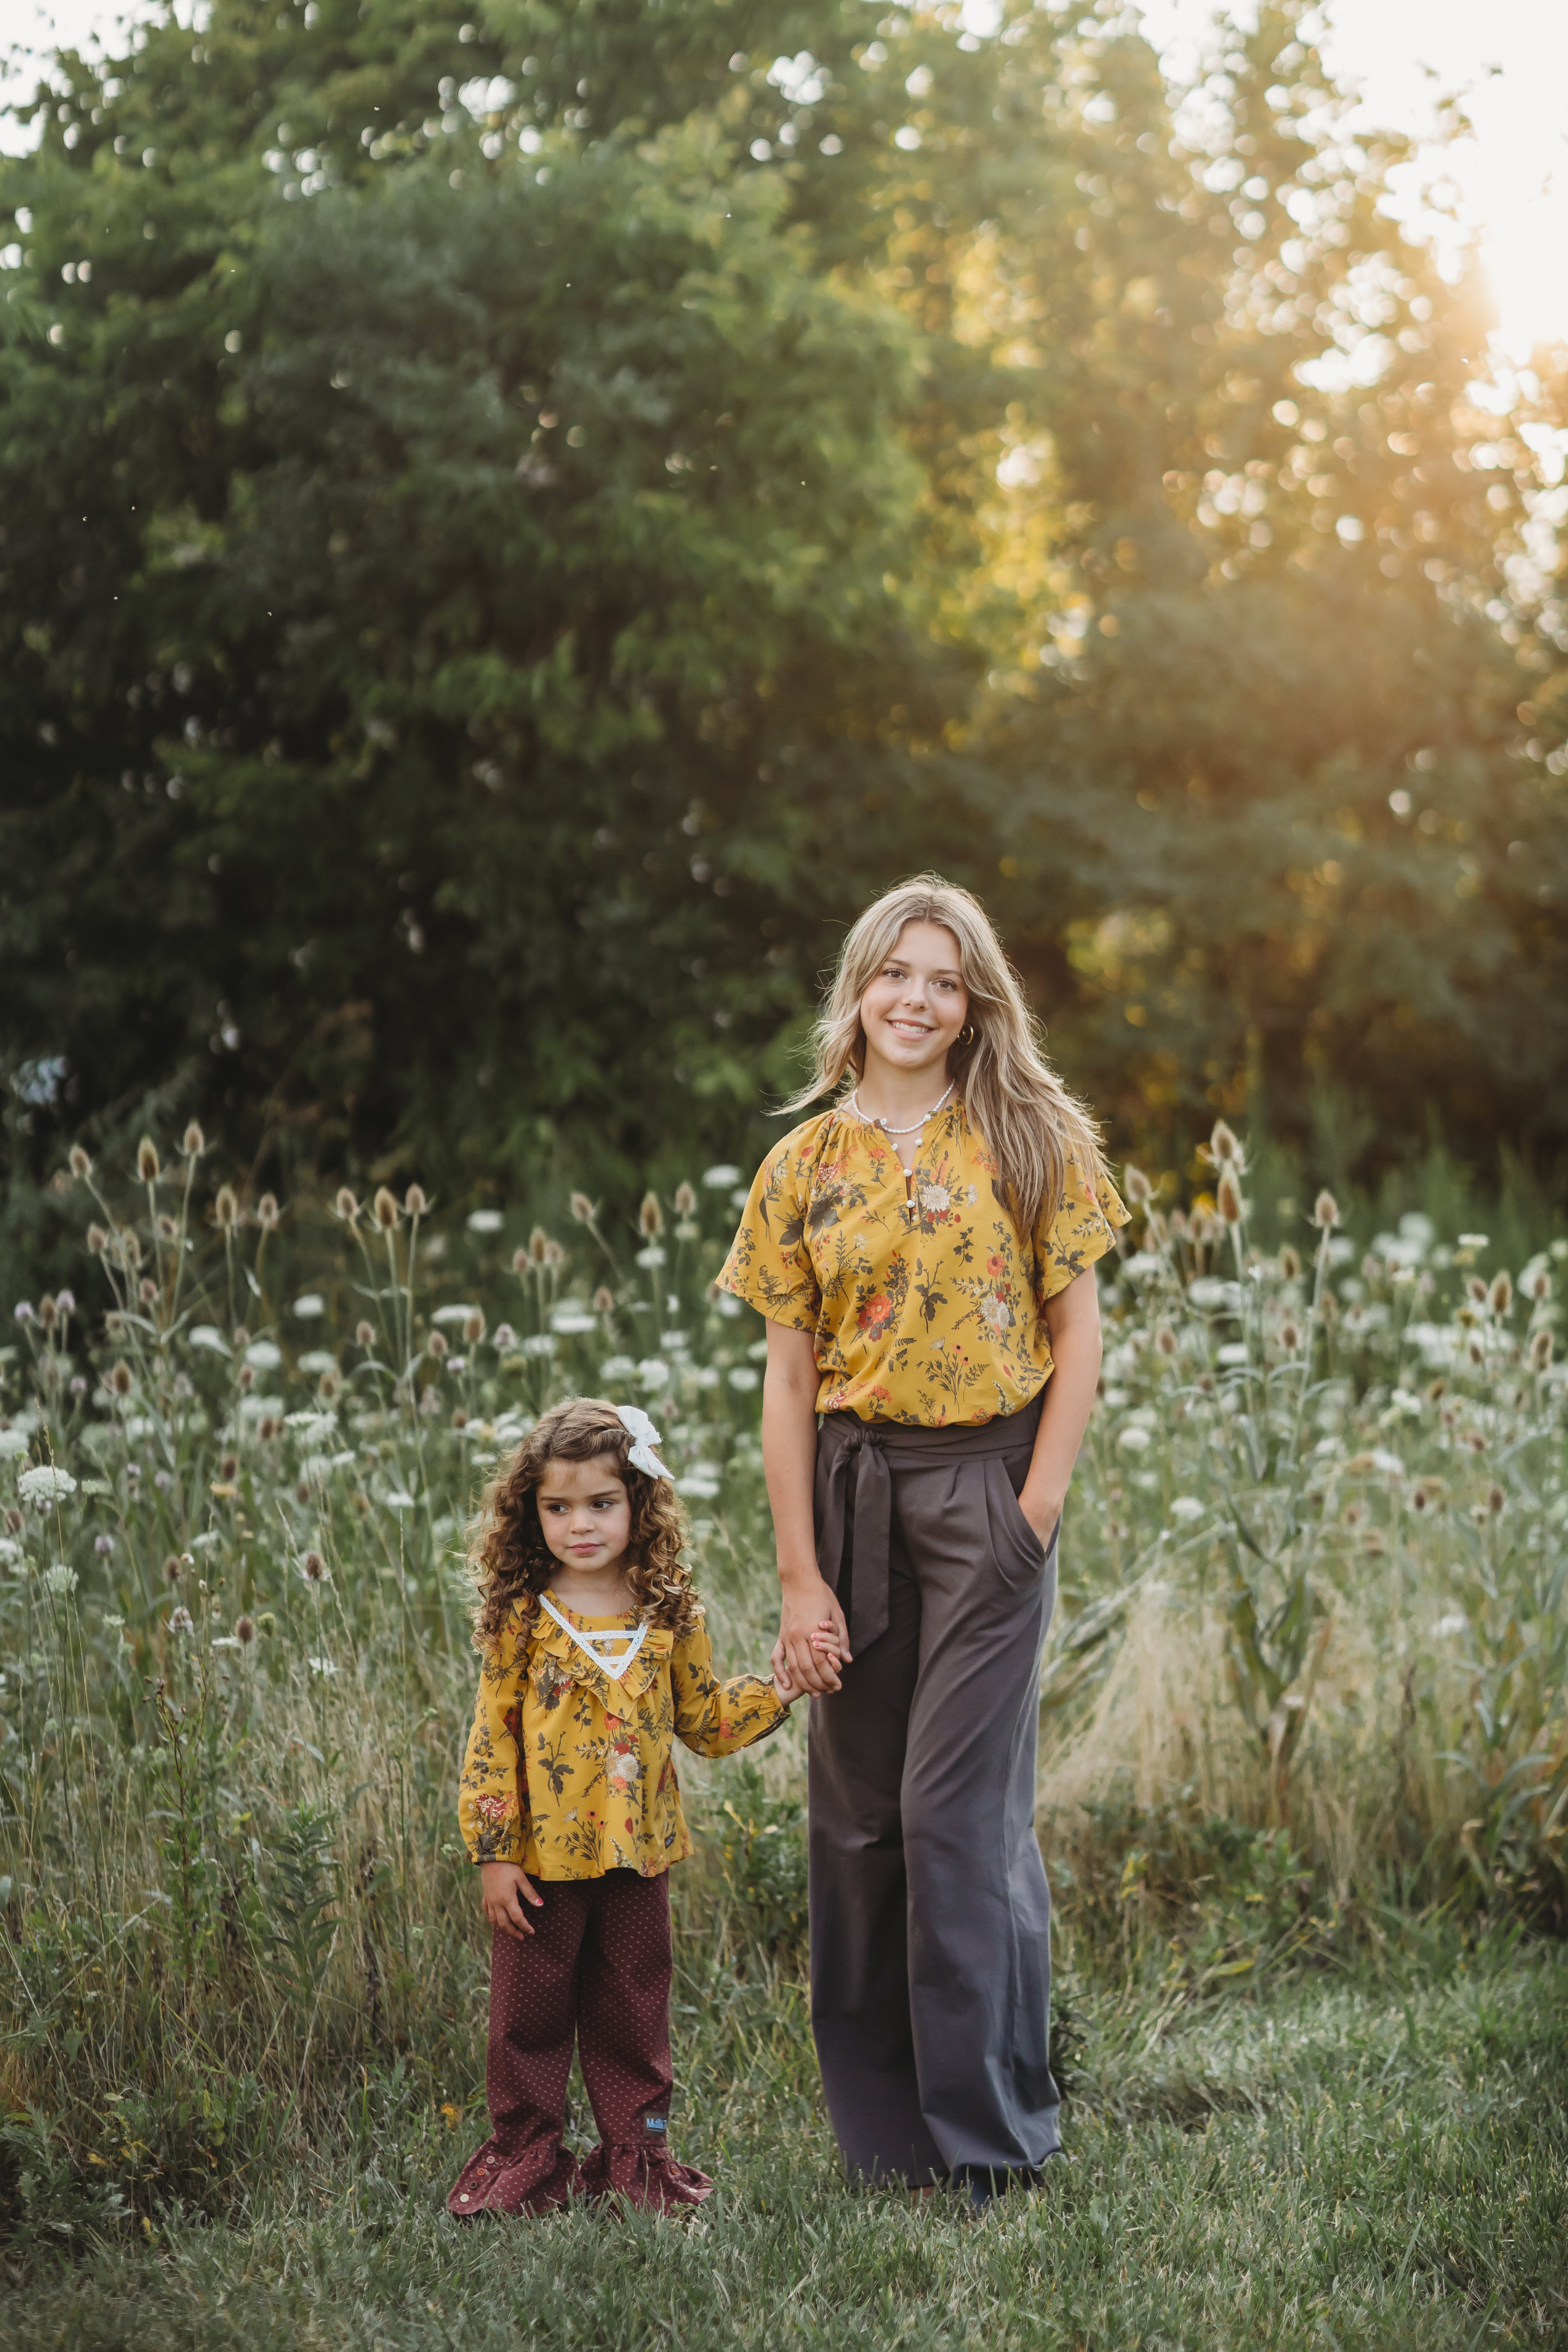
(1346, 2163)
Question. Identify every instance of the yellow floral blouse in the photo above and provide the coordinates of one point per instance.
(925, 1303)
(569, 1772)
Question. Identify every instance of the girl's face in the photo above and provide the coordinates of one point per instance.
(916, 1003)
(585, 1513)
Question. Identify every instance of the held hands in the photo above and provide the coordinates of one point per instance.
(503, 1891)
(813, 1643)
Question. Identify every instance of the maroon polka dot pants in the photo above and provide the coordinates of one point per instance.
(597, 1971)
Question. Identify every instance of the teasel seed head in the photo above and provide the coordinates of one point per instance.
(193, 1143)
(414, 1201)
(173, 1570)
(1228, 1198)
(120, 1379)
(1290, 1263)
(1423, 1498)
(1166, 1340)
(148, 1166)
(603, 1300)
(364, 1334)
(1475, 1288)
(168, 1230)
(473, 1327)
(554, 1255)
(327, 1386)
(268, 1216)
(244, 1630)
(1290, 1339)
(519, 1260)
(130, 1246)
(241, 1337)
(385, 1210)
(582, 1209)
(1496, 1498)
(1437, 1390)
(538, 1242)
(115, 1326)
(1500, 1297)
(313, 1568)
(228, 1469)
(246, 1378)
(14, 1521)
(226, 1208)
(47, 1311)
(1224, 1149)
(96, 1239)
(460, 1419)
(1541, 1353)
(1326, 1212)
(268, 1428)
(650, 1216)
(346, 1206)
(1538, 1286)
(148, 1290)
(435, 1346)
(685, 1199)
(81, 1164)
(1136, 1186)
(1475, 1353)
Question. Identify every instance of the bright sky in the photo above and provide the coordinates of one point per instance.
(1511, 56)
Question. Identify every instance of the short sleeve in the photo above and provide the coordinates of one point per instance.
(769, 1264)
(1082, 1230)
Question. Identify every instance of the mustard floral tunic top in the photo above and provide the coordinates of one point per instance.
(925, 1303)
(569, 1772)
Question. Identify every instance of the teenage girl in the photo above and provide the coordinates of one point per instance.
(596, 1658)
(923, 1253)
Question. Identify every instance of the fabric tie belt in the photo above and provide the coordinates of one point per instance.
(854, 1488)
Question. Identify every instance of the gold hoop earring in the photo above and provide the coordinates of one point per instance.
(966, 1036)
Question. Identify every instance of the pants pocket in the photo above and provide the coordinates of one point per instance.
(1017, 1545)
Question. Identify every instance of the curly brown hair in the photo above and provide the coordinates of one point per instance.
(509, 1560)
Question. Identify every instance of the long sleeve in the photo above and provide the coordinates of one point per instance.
(715, 1718)
(492, 1800)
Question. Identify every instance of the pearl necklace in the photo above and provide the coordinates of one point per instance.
(854, 1107)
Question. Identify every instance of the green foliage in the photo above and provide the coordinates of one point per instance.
(504, 551)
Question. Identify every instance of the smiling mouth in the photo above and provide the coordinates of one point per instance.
(911, 1028)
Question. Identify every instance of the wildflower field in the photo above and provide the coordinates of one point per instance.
(1304, 1794)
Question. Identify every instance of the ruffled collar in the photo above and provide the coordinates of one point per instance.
(547, 1640)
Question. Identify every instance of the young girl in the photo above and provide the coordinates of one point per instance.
(595, 1657)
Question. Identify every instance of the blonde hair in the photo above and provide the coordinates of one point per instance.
(512, 1563)
(1028, 1120)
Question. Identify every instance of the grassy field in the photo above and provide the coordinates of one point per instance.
(1303, 1796)
(1374, 2160)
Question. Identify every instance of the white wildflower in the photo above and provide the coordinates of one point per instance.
(617, 1367)
(743, 1378)
(653, 1372)
(484, 1221)
(1187, 1506)
(59, 1580)
(1135, 1438)
(262, 1356)
(208, 1336)
(651, 1255)
(13, 1441)
(44, 1485)
(398, 1498)
(180, 1621)
(321, 1665)
(716, 1178)
(453, 1313)
(310, 1306)
(540, 1343)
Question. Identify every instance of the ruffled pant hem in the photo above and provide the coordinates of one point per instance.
(536, 2180)
(646, 2178)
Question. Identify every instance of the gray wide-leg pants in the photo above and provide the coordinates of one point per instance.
(929, 1910)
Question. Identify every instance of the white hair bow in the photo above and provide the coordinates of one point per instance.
(646, 1436)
